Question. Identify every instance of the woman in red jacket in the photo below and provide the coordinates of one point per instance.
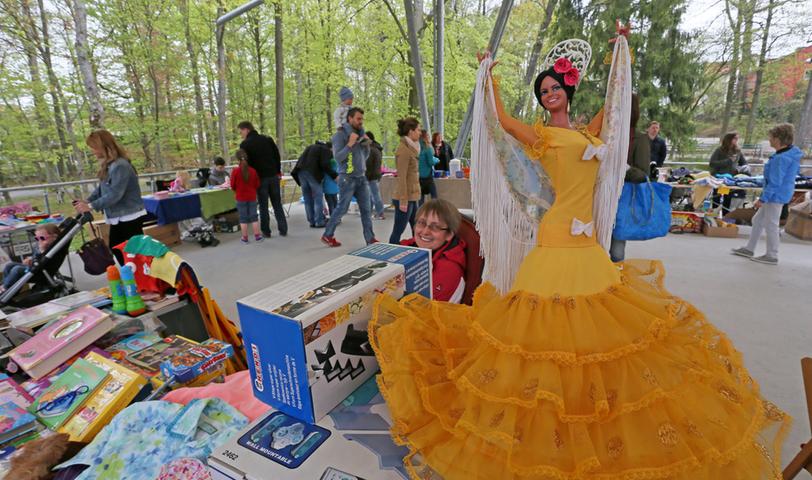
(436, 229)
(245, 182)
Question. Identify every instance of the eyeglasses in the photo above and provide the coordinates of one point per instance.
(433, 227)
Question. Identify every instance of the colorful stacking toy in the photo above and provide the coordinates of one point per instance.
(116, 290)
(135, 304)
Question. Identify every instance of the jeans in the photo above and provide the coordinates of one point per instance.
(12, 272)
(247, 212)
(766, 219)
(375, 197)
(269, 187)
(332, 202)
(314, 206)
(401, 219)
(349, 186)
(617, 251)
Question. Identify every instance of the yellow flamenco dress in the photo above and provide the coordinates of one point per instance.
(583, 370)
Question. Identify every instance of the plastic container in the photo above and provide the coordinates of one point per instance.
(454, 166)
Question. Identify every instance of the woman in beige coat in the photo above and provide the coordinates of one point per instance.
(407, 188)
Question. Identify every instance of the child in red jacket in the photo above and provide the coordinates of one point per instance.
(245, 182)
(436, 225)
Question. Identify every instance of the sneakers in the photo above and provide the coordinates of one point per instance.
(742, 252)
(244, 240)
(258, 238)
(330, 241)
(765, 259)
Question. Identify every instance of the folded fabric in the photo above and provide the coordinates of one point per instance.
(184, 469)
(236, 391)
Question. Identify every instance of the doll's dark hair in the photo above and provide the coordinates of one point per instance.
(570, 90)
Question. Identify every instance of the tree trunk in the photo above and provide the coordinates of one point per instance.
(30, 46)
(280, 78)
(137, 89)
(805, 125)
(733, 68)
(532, 64)
(300, 116)
(762, 60)
(199, 109)
(156, 116)
(86, 67)
(746, 54)
(44, 48)
(254, 20)
(221, 84)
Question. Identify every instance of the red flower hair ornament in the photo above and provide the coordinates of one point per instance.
(563, 66)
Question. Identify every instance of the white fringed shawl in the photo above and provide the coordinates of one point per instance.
(510, 193)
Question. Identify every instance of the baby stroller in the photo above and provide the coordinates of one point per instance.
(44, 273)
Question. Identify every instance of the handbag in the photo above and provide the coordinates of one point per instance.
(95, 254)
(643, 211)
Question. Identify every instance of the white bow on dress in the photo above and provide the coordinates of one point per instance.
(593, 151)
(580, 228)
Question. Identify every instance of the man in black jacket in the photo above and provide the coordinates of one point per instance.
(658, 149)
(263, 156)
(313, 165)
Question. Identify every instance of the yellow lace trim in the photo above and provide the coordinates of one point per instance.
(540, 146)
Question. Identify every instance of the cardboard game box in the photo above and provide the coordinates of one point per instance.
(416, 261)
(306, 337)
(351, 443)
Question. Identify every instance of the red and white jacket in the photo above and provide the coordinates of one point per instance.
(447, 270)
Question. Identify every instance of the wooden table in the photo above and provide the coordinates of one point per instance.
(455, 190)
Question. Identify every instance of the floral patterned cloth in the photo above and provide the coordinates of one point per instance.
(147, 435)
(184, 469)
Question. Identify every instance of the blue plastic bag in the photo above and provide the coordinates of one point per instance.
(643, 211)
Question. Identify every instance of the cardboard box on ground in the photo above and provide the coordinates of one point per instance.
(799, 222)
(167, 234)
(306, 337)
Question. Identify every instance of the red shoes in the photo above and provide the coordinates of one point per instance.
(330, 241)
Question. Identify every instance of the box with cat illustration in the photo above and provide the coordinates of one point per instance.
(319, 350)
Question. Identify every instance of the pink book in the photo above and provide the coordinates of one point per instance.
(59, 341)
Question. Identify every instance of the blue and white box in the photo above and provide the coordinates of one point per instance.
(306, 337)
(416, 261)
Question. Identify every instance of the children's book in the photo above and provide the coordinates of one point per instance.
(59, 341)
(30, 318)
(68, 393)
(118, 389)
(14, 421)
(11, 392)
(132, 344)
(80, 298)
(151, 357)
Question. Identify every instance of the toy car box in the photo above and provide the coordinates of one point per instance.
(306, 337)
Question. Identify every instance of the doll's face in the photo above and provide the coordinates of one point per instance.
(553, 96)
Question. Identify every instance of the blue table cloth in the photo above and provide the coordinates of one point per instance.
(180, 206)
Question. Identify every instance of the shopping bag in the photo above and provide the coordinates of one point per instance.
(95, 254)
(643, 211)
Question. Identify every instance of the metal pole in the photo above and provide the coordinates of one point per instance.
(47, 203)
(493, 46)
(238, 11)
(417, 63)
(439, 65)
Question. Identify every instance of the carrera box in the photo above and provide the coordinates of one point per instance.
(306, 337)
(416, 261)
(686, 222)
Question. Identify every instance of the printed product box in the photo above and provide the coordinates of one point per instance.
(416, 261)
(306, 337)
(351, 443)
(686, 222)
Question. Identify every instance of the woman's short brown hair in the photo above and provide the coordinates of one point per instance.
(784, 133)
(444, 210)
(406, 125)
